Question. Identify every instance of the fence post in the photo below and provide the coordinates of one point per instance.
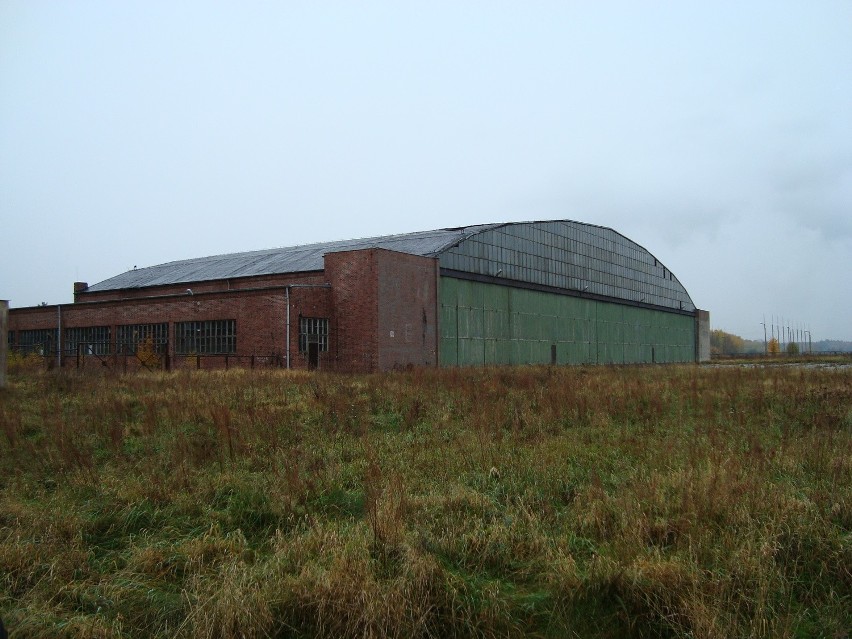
(252, 361)
(198, 361)
(226, 362)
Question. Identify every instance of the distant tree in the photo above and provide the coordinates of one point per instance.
(792, 348)
(146, 352)
(833, 345)
(773, 346)
(722, 343)
(754, 346)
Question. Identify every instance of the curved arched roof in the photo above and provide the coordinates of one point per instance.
(571, 256)
(563, 254)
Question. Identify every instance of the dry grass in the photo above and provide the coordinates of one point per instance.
(553, 502)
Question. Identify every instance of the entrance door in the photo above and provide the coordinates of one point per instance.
(313, 355)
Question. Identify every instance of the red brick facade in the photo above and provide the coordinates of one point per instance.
(381, 308)
(408, 310)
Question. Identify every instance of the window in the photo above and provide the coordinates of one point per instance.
(41, 341)
(131, 336)
(211, 337)
(95, 340)
(10, 340)
(313, 330)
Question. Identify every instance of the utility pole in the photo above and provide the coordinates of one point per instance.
(765, 348)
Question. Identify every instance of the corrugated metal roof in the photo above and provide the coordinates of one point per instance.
(292, 259)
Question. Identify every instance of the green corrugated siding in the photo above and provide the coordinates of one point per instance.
(493, 324)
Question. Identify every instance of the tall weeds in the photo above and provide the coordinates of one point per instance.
(599, 502)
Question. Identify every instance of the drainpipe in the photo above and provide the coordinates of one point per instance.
(287, 298)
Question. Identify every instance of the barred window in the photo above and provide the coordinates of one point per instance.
(42, 341)
(10, 340)
(211, 336)
(95, 340)
(313, 330)
(131, 336)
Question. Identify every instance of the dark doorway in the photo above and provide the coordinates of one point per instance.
(313, 355)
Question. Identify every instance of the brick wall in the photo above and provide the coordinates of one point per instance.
(353, 279)
(33, 317)
(260, 315)
(407, 310)
(381, 306)
(242, 283)
(309, 302)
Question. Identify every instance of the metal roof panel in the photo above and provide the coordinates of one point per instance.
(277, 261)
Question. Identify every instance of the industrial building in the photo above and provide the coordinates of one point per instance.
(546, 292)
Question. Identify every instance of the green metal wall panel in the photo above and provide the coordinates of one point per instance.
(493, 324)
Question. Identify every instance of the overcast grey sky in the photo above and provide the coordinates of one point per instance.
(718, 135)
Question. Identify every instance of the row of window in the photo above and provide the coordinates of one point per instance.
(572, 256)
(131, 336)
(203, 337)
(577, 255)
(568, 235)
(313, 330)
(531, 255)
(40, 341)
(94, 340)
(211, 336)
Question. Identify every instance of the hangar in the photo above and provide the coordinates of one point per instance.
(543, 292)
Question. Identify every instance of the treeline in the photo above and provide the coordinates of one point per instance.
(833, 345)
(722, 343)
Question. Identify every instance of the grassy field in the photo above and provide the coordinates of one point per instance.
(553, 502)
